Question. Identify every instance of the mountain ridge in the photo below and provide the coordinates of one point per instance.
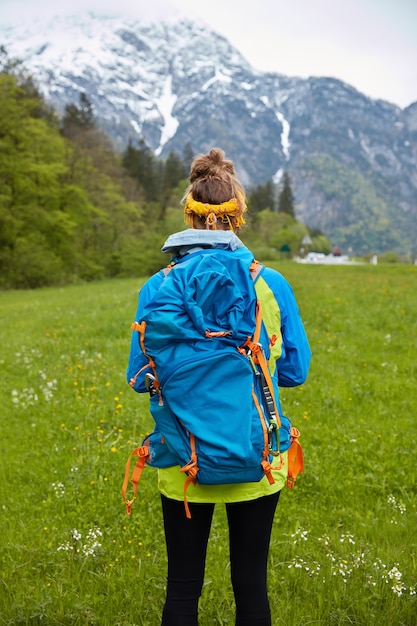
(181, 83)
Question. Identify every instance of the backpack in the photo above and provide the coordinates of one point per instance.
(211, 392)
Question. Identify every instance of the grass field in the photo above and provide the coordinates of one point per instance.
(344, 542)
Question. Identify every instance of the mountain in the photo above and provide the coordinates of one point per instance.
(352, 160)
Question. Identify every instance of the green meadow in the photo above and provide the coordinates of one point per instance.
(343, 548)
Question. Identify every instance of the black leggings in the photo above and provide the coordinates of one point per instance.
(250, 525)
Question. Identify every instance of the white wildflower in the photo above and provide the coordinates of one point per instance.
(325, 539)
(358, 559)
(299, 535)
(59, 489)
(394, 576)
(92, 543)
(342, 569)
(88, 548)
(66, 547)
(348, 538)
(48, 390)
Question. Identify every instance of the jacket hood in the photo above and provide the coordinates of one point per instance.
(192, 240)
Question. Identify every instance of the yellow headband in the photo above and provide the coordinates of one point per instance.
(225, 210)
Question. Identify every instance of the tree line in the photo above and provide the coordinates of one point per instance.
(73, 209)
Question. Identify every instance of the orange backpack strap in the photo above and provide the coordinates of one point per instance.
(191, 469)
(266, 466)
(258, 356)
(255, 269)
(295, 458)
(141, 328)
(143, 454)
(166, 270)
(134, 378)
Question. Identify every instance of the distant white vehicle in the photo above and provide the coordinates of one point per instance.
(315, 257)
(329, 259)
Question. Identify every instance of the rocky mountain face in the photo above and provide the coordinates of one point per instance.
(352, 160)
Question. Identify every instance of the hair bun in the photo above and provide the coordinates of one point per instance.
(211, 164)
(216, 155)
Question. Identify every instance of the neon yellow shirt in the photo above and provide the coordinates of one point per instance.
(171, 484)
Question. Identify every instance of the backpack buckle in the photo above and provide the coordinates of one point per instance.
(273, 448)
(151, 384)
(252, 363)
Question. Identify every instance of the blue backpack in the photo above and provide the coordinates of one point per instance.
(211, 392)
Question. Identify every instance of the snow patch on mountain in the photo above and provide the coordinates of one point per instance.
(285, 135)
(165, 106)
(277, 177)
(219, 76)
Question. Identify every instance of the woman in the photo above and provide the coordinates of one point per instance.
(214, 208)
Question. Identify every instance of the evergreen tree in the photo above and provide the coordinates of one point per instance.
(79, 117)
(262, 197)
(174, 171)
(187, 157)
(7, 65)
(141, 164)
(286, 198)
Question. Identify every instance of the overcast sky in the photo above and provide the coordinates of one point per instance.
(370, 44)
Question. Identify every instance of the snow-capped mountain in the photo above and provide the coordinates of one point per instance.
(353, 160)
